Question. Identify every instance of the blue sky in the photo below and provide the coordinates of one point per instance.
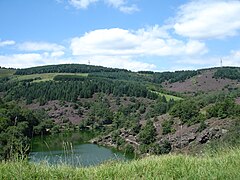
(153, 35)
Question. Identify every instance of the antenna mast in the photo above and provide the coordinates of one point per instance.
(221, 62)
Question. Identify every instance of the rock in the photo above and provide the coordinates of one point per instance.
(203, 138)
(224, 131)
(107, 137)
(191, 137)
(208, 134)
(181, 141)
(181, 144)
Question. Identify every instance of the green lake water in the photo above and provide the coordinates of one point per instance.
(72, 149)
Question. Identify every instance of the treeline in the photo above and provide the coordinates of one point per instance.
(147, 76)
(110, 73)
(128, 76)
(228, 72)
(69, 78)
(66, 68)
(173, 76)
(72, 90)
(17, 126)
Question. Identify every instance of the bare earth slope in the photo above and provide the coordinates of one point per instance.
(203, 82)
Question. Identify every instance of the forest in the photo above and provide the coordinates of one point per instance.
(228, 72)
(17, 126)
(66, 68)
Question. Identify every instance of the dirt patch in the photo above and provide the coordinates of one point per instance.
(63, 112)
(204, 82)
(60, 112)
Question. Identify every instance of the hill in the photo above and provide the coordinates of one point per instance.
(143, 112)
(207, 80)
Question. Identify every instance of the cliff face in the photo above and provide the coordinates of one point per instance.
(182, 137)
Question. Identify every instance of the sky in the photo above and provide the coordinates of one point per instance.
(155, 35)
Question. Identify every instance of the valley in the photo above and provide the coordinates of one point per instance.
(128, 114)
(143, 113)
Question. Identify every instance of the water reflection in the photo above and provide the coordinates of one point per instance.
(72, 149)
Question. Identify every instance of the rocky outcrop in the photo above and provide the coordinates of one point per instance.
(211, 133)
(180, 140)
(108, 140)
(183, 137)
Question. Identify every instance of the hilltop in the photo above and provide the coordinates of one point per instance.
(143, 112)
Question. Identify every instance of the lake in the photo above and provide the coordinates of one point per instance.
(72, 149)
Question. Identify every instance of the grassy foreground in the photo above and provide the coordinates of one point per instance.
(224, 165)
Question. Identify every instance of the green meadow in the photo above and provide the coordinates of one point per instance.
(168, 96)
(44, 76)
(6, 72)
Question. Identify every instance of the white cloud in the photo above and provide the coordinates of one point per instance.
(40, 46)
(25, 60)
(195, 47)
(202, 61)
(129, 9)
(20, 60)
(81, 4)
(36, 59)
(116, 3)
(143, 42)
(232, 60)
(7, 43)
(124, 62)
(57, 53)
(121, 5)
(208, 19)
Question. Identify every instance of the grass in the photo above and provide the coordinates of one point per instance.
(44, 77)
(224, 165)
(6, 72)
(168, 97)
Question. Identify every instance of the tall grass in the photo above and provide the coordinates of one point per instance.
(223, 165)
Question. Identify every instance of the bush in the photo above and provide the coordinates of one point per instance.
(226, 108)
(186, 111)
(202, 126)
(147, 134)
(129, 148)
(163, 148)
(167, 126)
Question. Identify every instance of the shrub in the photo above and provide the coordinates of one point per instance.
(167, 126)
